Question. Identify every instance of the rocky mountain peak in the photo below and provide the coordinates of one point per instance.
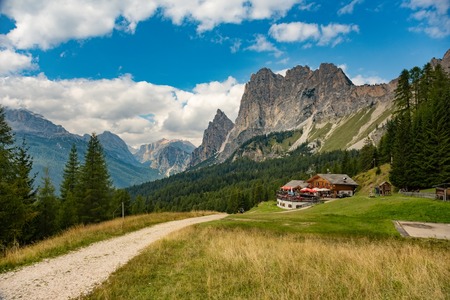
(116, 147)
(444, 62)
(273, 103)
(331, 73)
(25, 121)
(213, 138)
(168, 156)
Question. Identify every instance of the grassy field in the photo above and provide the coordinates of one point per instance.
(81, 236)
(345, 249)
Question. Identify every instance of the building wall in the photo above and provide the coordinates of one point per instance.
(285, 204)
(320, 183)
(341, 188)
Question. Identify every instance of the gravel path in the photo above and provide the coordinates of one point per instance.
(77, 273)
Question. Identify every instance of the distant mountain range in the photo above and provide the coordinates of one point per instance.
(50, 144)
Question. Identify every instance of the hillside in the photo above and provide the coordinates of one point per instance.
(49, 146)
(346, 249)
(368, 180)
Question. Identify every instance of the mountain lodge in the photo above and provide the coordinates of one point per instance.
(338, 183)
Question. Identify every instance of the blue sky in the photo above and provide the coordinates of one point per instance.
(94, 65)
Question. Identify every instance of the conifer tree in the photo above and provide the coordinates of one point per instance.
(47, 206)
(403, 93)
(16, 192)
(70, 175)
(94, 193)
(368, 156)
(138, 206)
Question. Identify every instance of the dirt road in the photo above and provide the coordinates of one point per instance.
(78, 272)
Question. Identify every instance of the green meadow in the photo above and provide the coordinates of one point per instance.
(344, 249)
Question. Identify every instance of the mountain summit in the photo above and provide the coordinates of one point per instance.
(213, 138)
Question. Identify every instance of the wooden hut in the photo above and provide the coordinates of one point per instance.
(385, 188)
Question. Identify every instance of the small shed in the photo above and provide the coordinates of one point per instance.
(385, 188)
(443, 191)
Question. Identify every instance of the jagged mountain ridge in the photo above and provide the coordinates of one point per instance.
(301, 99)
(168, 156)
(213, 138)
(49, 146)
(324, 104)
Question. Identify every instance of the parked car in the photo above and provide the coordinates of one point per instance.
(343, 195)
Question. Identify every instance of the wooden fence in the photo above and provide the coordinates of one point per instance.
(420, 195)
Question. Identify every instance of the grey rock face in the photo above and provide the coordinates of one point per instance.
(213, 138)
(25, 121)
(273, 103)
(168, 156)
(116, 147)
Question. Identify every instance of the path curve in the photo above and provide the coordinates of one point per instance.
(77, 273)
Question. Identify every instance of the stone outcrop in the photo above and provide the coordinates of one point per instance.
(213, 138)
(444, 62)
(273, 103)
(168, 156)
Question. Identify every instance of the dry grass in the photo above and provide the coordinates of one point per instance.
(79, 236)
(209, 263)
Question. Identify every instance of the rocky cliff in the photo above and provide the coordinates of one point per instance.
(444, 62)
(303, 99)
(168, 156)
(213, 138)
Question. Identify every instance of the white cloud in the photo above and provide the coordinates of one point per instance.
(294, 32)
(432, 15)
(261, 44)
(331, 34)
(201, 106)
(12, 62)
(361, 80)
(45, 24)
(282, 72)
(334, 33)
(139, 112)
(348, 9)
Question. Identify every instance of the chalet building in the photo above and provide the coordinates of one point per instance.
(339, 184)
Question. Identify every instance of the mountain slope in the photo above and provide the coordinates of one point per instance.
(213, 138)
(167, 156)
(304, 99)
(50, 144)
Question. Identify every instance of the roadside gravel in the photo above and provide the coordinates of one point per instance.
(77, 273)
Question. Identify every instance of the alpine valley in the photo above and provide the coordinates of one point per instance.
(321, 108)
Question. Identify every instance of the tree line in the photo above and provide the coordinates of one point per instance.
(417, 139)
(242, 183)
(29, 214)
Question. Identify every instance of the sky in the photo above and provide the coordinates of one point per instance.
(153, 69)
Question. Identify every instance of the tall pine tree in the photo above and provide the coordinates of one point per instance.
(94, 193)
(16, 193)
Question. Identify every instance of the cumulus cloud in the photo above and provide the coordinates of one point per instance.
(45, 24)
(432, 15)
(261, 44)
(361, 80)
(139, 112)
(294, 32)
(334, 33)
(348, 9)
(331, 34)
(12, 62)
